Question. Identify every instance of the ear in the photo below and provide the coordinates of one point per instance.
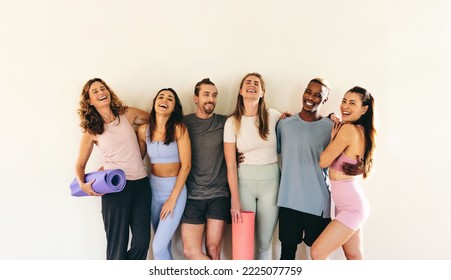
(325, 99)
(263, 94)
(364, 109)
(195, 98)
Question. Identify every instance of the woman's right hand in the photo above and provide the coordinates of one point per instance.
(87, 188)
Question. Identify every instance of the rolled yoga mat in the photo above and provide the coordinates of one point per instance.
(107, 181)
(243, 237)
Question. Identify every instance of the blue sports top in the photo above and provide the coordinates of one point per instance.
(160, 153)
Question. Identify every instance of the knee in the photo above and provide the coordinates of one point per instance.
(353, 254)
(159, 252)
(316, 253)
(190, 252)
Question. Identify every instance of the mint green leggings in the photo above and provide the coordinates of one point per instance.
(258, 187)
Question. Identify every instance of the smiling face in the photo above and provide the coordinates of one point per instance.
(252, 87)
(206, 100)
(99, 95)
(164, 102)
(352, 107)
(314, 95)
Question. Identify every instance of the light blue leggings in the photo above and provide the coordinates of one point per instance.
(258, 187)
(165, 229)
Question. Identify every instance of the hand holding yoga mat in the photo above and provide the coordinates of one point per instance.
(106, 181)
(243, 237)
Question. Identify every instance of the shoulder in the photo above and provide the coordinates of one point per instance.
(274, 112)
(180, 129)
(189, 116)
(89, 137)
(222, 118)
(347, 131)
(142, 129)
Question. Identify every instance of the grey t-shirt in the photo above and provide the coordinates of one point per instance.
(208, 175)
(304, 185)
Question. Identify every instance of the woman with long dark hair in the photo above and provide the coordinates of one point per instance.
(166, 140)
(350, 140)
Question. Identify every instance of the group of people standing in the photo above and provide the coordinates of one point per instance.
(198, 179)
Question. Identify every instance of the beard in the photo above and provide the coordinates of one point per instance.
(209, 110)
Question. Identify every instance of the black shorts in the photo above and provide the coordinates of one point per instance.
(296, 226)
(197, 211)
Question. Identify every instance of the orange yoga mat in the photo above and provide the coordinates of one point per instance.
(243, 237)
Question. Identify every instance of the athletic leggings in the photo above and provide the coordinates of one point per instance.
(125, 211)
(165, 229)
(258, 187)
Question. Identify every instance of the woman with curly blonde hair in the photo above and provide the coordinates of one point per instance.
(108, 123)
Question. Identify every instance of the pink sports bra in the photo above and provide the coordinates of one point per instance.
(336, 165)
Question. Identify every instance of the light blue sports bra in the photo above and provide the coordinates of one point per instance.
(160, 153)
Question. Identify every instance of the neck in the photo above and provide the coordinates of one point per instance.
(250, 108)
(107, 115)
(310, 116)
(161, 121)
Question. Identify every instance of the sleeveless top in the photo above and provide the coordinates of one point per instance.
(336, 165)
(160, 153)
(119, 146)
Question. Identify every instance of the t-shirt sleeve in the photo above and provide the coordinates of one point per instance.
(278, 137)
(229, 131)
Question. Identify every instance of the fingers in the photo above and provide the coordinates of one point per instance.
(236, 217)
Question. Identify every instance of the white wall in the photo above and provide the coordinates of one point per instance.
(399, 50)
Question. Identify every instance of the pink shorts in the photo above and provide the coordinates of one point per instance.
(351, 205)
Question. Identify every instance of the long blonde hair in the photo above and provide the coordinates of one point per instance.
(262, 120)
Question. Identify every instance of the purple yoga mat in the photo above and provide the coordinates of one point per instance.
(107, 181)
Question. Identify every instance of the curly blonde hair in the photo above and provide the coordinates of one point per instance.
(90, 119)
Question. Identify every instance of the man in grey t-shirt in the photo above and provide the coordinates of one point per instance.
(208, 205)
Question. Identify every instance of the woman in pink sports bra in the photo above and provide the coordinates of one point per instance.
(350, 140)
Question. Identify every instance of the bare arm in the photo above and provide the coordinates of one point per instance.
(142, 129)
(86, 146)
(340, 139)
(184, 146)
(137, 116)
(232, 177)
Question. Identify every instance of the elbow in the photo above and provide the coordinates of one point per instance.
(186, 167)
(322, 163)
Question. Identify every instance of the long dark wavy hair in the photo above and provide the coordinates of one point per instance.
(90, 119)
(175, 119)
(262, 121)
(367, 121)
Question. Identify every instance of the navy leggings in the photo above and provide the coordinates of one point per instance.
(124, 211)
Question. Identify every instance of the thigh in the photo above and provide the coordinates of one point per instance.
(313, 227)
(218, 209)
(290, 226)
(194, 212)
(214, 232)
(353, 248)
(141, 207)
(192, 235)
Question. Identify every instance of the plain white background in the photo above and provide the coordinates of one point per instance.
(399, 50)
